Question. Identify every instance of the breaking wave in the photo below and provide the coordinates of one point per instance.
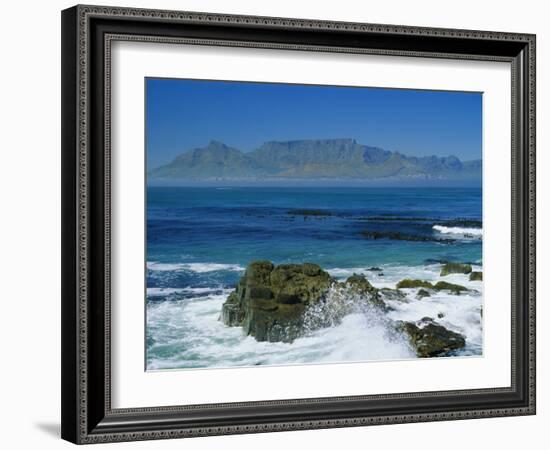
(465, 232)
(188, 334)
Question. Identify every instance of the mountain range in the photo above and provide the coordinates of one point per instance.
(312, 160)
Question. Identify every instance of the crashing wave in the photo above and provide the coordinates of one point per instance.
(466, 232)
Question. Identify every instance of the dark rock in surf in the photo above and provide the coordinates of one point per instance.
(411, 284)
(476, 276)
(429, 338)
(280, 303)
(455, 268)
(269, 301)
(358, 284)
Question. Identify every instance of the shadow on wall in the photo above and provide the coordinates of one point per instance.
(52, 429)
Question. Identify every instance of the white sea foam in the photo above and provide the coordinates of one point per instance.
(187, 333)
(163, 292)
(213, 267)
(458, 313)
(166, 291)
(475, 232)
(194, 336)
(193, 267)
(163, 267)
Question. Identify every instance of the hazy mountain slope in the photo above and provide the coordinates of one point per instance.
(216, 160)
(312, 159)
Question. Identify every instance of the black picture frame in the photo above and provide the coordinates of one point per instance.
(87, 416)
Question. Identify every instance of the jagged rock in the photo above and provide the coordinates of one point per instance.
(269, 301)
(410, 284)
(455, 268)
(359, 284)
(281, 303)
(429, 338)
(476, 276)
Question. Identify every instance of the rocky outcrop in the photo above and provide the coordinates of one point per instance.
(476, 276)
(455, 268)
(269, 301)
(360, 286)
(428, 338)
(280, 303)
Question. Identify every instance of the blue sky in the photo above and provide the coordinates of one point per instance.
(184, 114)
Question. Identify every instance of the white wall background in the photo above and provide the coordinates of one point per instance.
(30, 223)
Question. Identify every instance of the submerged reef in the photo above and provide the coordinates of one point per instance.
(397, 236)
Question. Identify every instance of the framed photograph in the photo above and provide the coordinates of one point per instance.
(278, 224)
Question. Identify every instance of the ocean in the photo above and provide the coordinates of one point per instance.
(200, 240)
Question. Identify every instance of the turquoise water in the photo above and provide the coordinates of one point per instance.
(199, 240)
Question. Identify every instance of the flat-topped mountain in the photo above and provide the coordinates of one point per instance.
(312, 159)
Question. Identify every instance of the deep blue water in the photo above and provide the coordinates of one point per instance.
(188, 225)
